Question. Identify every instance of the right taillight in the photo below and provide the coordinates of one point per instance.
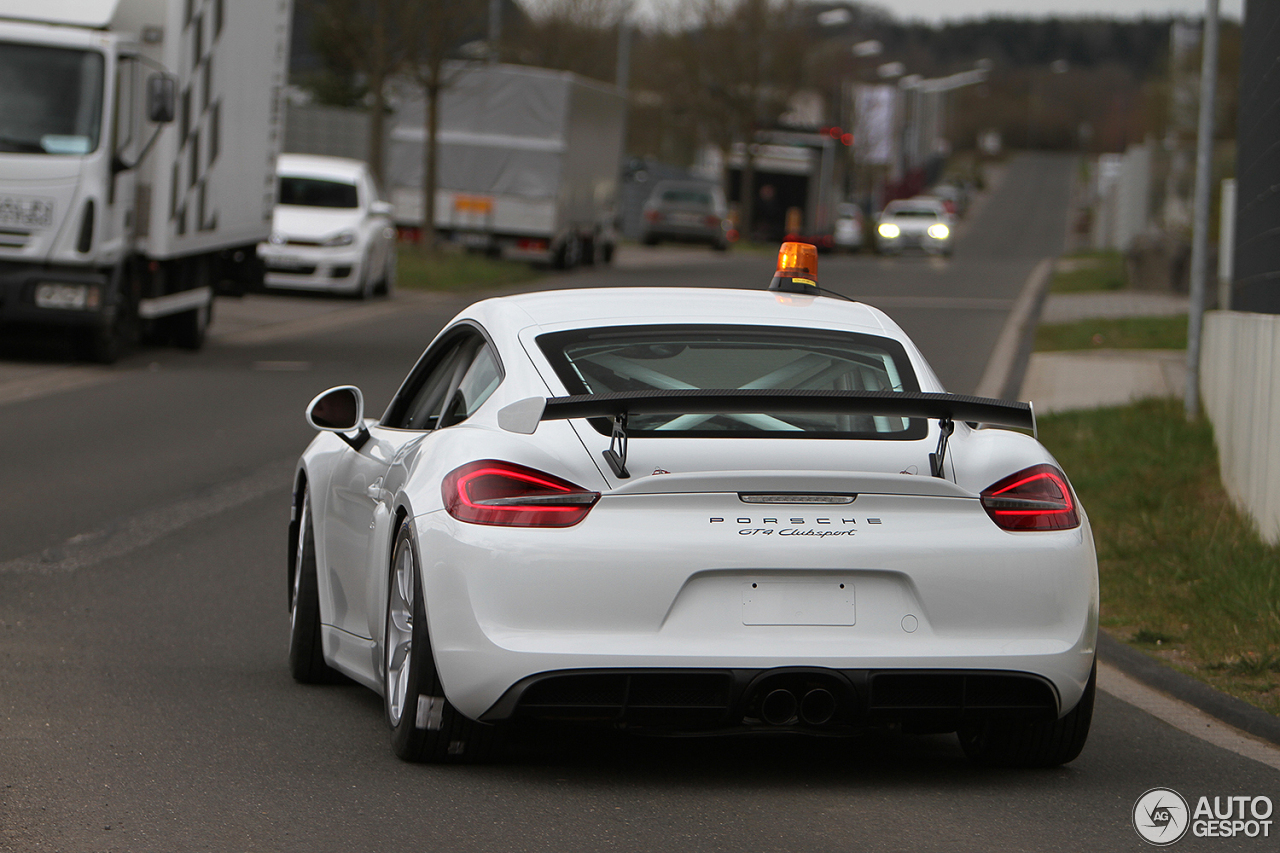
(509, 495)
(1035, 498)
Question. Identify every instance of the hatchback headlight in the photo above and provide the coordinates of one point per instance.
(344, 238)
(939, 231)
(889, 231)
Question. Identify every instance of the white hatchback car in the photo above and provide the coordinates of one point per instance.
(692, 510)
(330, 230)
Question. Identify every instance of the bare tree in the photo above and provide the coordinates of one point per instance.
(439, 30)
(744, 58)
(374, 39)
(571, 35)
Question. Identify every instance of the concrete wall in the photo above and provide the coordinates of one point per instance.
(1240, 386)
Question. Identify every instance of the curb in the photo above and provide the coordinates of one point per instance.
(1151, 672)
(1002, 378)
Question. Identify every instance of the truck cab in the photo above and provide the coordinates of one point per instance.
(108, 223)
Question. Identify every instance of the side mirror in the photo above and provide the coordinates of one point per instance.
(338, 410)
(381, 208)
(162, 98)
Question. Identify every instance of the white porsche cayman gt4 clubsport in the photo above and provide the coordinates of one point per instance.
(693, 510)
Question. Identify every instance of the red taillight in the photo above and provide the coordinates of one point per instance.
(1036, 498)
(713, 222)
(511, 495)
(653, 215)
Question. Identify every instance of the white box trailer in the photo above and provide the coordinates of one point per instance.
(528, 163)
(138, 141)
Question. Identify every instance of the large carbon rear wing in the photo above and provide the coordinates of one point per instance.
(525, 415)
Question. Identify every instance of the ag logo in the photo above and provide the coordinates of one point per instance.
(1161, 816)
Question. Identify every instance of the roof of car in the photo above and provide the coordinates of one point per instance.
(678, 305)
(315, 166)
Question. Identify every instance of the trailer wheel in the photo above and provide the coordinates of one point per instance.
(570, 253)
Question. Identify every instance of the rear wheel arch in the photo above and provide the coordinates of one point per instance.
(295, 520)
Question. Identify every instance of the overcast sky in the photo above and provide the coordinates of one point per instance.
(940, 11)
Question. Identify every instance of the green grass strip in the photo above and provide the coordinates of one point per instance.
(1183, 574)
(1114, 333)
(449, 269)
(1085, 272)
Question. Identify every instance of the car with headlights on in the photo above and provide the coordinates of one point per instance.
(330, 230)
(692, 511)
(915, 223)
(686, 212)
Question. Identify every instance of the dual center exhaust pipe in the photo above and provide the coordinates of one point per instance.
(780, 707)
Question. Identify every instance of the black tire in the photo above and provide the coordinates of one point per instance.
(570, 253)
(425, 727)
(999, 743)
(306, 650)
(189, 328)
(387, 284)
(101, 344)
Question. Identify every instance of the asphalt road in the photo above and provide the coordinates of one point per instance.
(145, 703)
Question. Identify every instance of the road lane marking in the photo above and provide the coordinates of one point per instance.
(21, 382)
(126, 535)
(1184, 717)
(1000, 365)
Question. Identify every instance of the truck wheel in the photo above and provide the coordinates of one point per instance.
(570, 253)
(189, 327)
(105, 344)
(101, 344)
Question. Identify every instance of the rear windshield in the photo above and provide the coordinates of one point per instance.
(645, 358)
(315, 192)
(687, 195)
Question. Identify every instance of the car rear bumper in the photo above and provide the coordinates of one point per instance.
(931, 584)
(797, 698)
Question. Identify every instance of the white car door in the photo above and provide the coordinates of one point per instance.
(357, 534)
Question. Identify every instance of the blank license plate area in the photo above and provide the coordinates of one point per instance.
(797, 603)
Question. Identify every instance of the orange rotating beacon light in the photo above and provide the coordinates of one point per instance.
(797, 269)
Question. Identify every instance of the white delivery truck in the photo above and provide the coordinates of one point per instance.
(528, 163)
(138, 141)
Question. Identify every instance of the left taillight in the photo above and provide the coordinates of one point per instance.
(1035, 498)
(509, 495)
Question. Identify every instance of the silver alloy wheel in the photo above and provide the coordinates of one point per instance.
(399, 646)
(303, 523)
